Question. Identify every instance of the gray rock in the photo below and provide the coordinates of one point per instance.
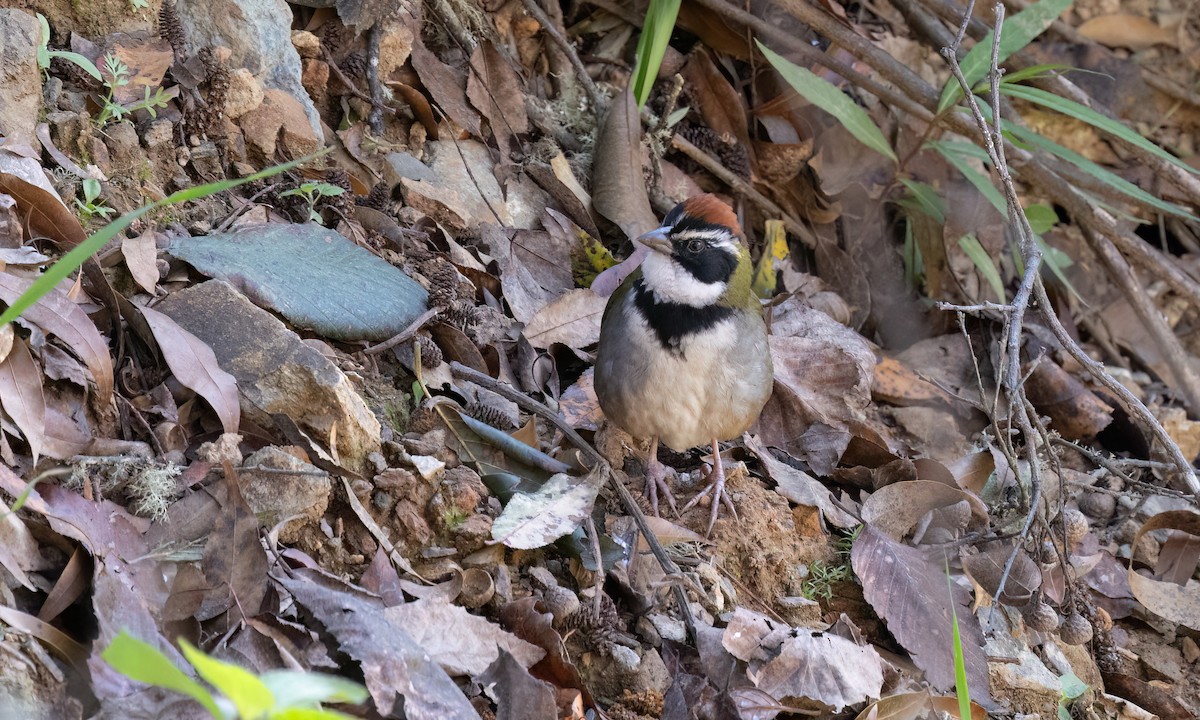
(259, 32)
(275, 370)
(276, 496)
(20, 79)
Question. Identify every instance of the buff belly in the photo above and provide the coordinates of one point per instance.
(713, 387)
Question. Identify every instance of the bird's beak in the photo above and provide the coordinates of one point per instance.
(657, 240)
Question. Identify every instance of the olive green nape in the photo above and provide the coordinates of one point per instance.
(739, 294)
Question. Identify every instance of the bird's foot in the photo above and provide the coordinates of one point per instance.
(716, 488)
(656, 482)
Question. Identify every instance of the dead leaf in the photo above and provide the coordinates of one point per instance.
(23, 179)
(147, 62)
(1074, 411)
(445, 85)
(394, 666)
(19, 550)
(21, 395)
(62, 644)
(896, 509)
(987, 567)
(497, 92)
(909, 589)
(518, 695)
(800, 487)
(896, 384)
(1123, 30)
(234, 563)
(618, 187)
(1177, 603)
(55, 314)
(915, 706)
(195, 367)
(459, 642)
(141, 257)
(556, 509)
(579, 405)
(722, 108)
(572, 319)
(823, 667)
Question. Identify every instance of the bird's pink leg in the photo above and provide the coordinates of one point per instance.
(716, 486)
(656, 479)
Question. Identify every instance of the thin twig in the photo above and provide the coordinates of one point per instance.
(404, 334)
(589, 85)
(745, 189)
(630, 504)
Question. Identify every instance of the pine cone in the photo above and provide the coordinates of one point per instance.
(171, 29)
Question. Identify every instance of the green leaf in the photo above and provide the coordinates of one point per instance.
(309, 714)
(652, 45)
(1109, 178)
(88, 66)
(954, 154)
(924, 198)
(293, 689)
(72, 260)
(1034, 72)
(1041, 218)
(1072, 686)
(1019, 31)
(1093, 118)
(961, 689)
(970, 245)
(248, 694)
(145, 663)
(826, 96)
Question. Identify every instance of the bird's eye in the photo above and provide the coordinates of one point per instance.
(695, 246)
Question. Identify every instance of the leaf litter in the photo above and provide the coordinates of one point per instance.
(477, 216)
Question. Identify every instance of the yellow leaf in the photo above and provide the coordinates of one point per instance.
(776, 251)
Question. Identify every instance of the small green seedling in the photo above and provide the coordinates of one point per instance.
(312, 192)
(1072, 689)
(92, 205)
(45, 54)
(117, 75)
(241, 695)
(135, 5)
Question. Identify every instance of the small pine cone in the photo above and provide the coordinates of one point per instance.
(443, 282)
(354, 65)
(1077, 526)
(216, 90)
(340, 178)
(596, 631)
(488, 415)
(431, 354)
(171, 29)
(378, 199)
(1076, 630)
(1041, 616)
(423, 420)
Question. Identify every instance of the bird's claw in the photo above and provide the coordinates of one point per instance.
(716, 487)
(656, 480)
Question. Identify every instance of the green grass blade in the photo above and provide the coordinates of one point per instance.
(924, 198)
(1019, 31)
(961, 689)
(1093, 118)
(70, 262)
(956, 157)
(987, 267)
(826, 96)
(1105, 176)
(652, 45)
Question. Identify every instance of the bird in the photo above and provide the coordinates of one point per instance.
(683, 357)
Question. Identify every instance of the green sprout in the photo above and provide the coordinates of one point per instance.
(312, 192)
(92, 205)
(117, 75)
(45, 54)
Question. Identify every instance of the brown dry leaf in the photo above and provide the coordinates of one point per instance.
(971, 472)
(141, 257)
(419, 105)
(445, 85)
(535, 267)
(1074, 411)
(1177, 603)
(822, 382)
(722, 108)
(496, 91)
(579, 405)
(459, 642)
(915, 706)
(234, 564)
(1123, 30)
(897, 508)
(518, 695)
(987, 567)
(21, 395)
(909, 589)
(148, 62)
(6, 340)
(19, 550)
(394, 666)
(62, 644)
(195, 367)
(57, 315)
(800, 487)
(23, 179)
(572, 319)
(823, 667)
(896, 384)
(668, 533)
(74, 580)
(528, 620)
(618, 188)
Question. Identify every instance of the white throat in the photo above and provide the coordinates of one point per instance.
(670, 282)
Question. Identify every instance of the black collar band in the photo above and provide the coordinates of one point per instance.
(674, 322)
